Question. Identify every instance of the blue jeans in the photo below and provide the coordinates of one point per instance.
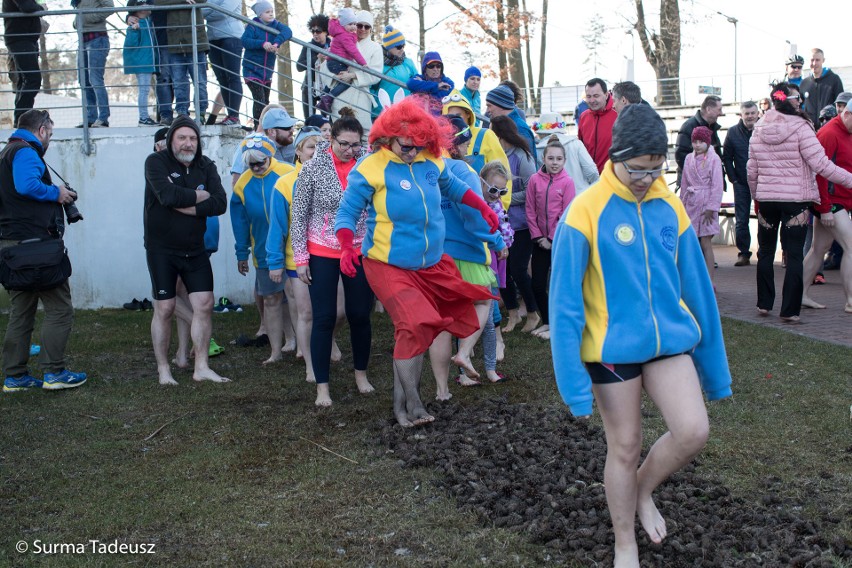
(742, 209)
(182, 71)
(144, 82)
(93, 56)
(165, 88)
(225, 59)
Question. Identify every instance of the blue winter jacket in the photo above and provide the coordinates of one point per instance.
(140, 49)
(468, 235)
(259, 64)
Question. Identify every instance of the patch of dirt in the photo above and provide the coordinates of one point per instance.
(539, 472)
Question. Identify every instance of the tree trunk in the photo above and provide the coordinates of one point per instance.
(421, 18)
(285, 73)
(663, 50)
(532, 96)
(365, 5)
(513, 44)
(46, 84)
(502, 60)
(542, 53)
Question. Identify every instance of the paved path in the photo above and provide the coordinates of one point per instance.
(737, 297)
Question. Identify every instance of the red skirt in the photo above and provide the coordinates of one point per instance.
(423, 303)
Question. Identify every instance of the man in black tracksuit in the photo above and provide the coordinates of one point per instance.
(21, 38)
(821, 88)
(707, 115)
(182, 189)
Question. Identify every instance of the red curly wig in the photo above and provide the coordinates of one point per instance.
(410, 118)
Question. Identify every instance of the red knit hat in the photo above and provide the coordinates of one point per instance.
(703, 134)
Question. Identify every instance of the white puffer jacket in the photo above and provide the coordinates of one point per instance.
(784, 157)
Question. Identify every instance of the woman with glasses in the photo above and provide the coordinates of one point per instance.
(317, 253)
(400, 186)
(397, 66)
(784, 157)
(251, 203)
(432, 82)
(633, 308)
(308, 58)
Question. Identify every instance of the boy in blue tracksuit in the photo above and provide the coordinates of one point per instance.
(633, 309)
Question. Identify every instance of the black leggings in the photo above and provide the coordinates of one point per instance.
(787, 218)
(260, 94)
(518, 277)
(540, 272)
(358, 297)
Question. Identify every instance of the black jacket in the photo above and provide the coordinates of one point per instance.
(735, 153)
(170, 185)
(820, 92)
(307, 57)
(22, 29)
(683, 146)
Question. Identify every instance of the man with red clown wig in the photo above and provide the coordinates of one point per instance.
(400, 185)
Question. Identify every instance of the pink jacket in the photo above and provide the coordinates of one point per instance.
(344, 44)
(547, 198)
(784, 157)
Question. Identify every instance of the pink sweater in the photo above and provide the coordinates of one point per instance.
(547, 198)
(344, 44)
(784, 157)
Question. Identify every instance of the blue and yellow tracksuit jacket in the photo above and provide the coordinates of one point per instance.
(405, 227)
(279, 248)
(250, 206)
(629, 284)
(468, 236)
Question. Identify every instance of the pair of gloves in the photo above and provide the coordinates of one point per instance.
(349, 257)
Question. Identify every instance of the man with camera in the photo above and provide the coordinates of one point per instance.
(31, 229)
(182, 189)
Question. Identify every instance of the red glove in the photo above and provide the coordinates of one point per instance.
(349, 257)
(472, 200)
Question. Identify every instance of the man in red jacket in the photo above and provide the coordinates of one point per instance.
(833, 222)
(595, 128)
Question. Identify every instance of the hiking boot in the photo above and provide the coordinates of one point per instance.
(63, 380)
(742, 261)
(15, 384)
(135, 305)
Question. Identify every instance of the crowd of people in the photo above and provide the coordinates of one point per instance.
(420, 206)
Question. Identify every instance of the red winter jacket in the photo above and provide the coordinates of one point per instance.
(595, 131)
(837, 141)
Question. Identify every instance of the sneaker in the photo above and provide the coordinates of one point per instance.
(63, 380)
(148, 122)
(15, 384)
(224, 305)
(135, 305)
(35, 350)
(230, 121)
(166, 121)
(742, 261)
(81, 125)
(99, 124)
(147, 305)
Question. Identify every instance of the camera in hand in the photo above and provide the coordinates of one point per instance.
(71, 212)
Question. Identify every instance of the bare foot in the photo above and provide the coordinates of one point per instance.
(533, 320)
(848, 308)
(420, 417)
(323, 397)
(166, 377)
(538, 332)
(514, 320)
(260, 331)
(181, 361)
(364, 386)
(465, 364)
(493, 376)
(298, 353)
(651, 519)
(273, 359)
(627, 557)
(443, 396)
(336, 355)
(208, 374)
(309, 378)
(501, 346)
(808, 303)
(402, 419)
(465, 381)
(290, 345)
(763, 312)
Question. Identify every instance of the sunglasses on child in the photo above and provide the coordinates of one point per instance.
(493, 189)
(408, 149)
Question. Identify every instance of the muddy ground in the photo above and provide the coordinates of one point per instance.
(539, 472)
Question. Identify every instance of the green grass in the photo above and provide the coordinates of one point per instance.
(238, 480)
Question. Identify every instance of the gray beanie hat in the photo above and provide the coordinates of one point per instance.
(638, 131)
(261, 7)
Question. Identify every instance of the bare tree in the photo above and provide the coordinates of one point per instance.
(594, 40)
(663, 50)
(542, 53)
(285, 72)
(532, 97)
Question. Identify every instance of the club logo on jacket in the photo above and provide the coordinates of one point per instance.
(668, 236)
(432, 177)
(405, 184)
(174, 175)
(625, 234)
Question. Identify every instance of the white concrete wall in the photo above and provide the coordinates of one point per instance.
(106, 248)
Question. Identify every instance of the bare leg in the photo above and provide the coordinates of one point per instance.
(304, 322)
(407, 406)
(462, 358)
(361, 381)
(183, 311)
(842, 233)
(274, 321)
(514, 319)
(439, 356)
(533, 319)
(161, 336)
(289, 331)
(501, 345)
(323, 396)
(542, 332)
(292, 314)
(709, 258)
(202, 325)
(336, 355)
(258, 302)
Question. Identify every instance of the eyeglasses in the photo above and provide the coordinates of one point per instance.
(795, 66)
(348, 145)
(793, 97)
(363, 26)
(407, 149)
(434, 65)
(637, 175)
(453, 98)
(316, 31)
(493, 189)
(258, 165)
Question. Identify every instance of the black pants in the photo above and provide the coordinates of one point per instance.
(540, 273)
(742, 209)
(518, 277)
(783, 216)
(28, 75)
(260, 94)
(358, 297)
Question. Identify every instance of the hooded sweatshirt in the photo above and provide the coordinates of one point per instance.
(171, 185)
(783, 156)
(595, 131)
(423, 85)
(837, 141)
(548, 196)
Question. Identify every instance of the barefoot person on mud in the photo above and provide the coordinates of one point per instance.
(182, 189)
(400, 185)
(633, 306)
